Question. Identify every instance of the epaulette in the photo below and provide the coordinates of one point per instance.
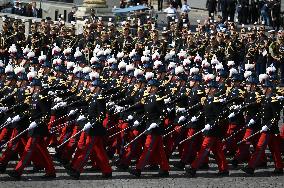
(42, 97)
(100, 97)
(199, 92)
(145, 93)
(159, 98)
(174, 89)
(274, 99)
(216, 99)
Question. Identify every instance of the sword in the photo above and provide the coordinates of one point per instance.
(135, 138)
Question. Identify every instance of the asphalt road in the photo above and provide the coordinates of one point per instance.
(178, 178)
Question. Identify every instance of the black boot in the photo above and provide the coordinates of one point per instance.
(163, 174)
(179, 165)
(2, 168)
(223, 173)
(15, 174)
(153, 167)
(278, 171)
(122, 166)
(49, 176)
(235, 163)
(107, 176)
(248, 170)
(135, 172)
(74, 174)
(204, 166)
(190, 171)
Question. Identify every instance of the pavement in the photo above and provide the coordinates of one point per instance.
(178, 178)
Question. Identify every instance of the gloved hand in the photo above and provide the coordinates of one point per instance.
(32, 125)
(231, 115)
(167, 100)
(181, 110)
(152, 126)
(87, 126)
(9, 120)
(57, 100)
(181, 119)
(193, 119)
(16, 119)
(222, 100)
(129, 118)
(264, 128)
(55, 107)
(3, 109)
(110, 104)
(44, 85)
(251, 122)
(264, 53)
(206, 128)
(72, 112)
(62, 104)
(81, 118)
(118, 109)
(169, 109)
(136, 123)
(50, 93)
(280, 97)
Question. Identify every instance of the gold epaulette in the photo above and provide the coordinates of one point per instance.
(100, 97)
(216, 99)
(159, 98)
(42, 97)
(228, 90)
(199, 92)
(202, 100)
(145, 93)
(274, 99)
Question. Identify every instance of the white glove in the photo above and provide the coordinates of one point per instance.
(119, 109)
(32, 125)
(222, 100)
(264, 128)
(129, 118)
(193, 119)
(57, 99)
(231, 115)
(72, 112)
(251, 122)
(206, 128)
(54, 107)
(81, 118)
(167, 100)
(136, 123)
(50, 93)
(110, 103)
(169, 109)
(3, 109)
(152, 126)
(264, 53)
(62, 104)
(44, 85)
(181, 119)
(9, 120)
(16, 119)
(87, 126)
(181, 110)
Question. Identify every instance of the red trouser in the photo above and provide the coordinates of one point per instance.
(15, 147)
(153, 147)
(231, 145)
(191, 147)
(215, 145)
(5, 134)
(93, 144)
(273, 142)
(36, 149)
(243, 152)
(80, 147)
(282, 139)
(172, 140)
(134, 150)
(69, 148)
